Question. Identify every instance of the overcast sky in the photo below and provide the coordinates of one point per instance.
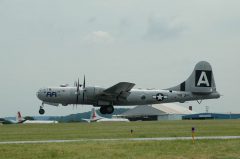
(153, 43)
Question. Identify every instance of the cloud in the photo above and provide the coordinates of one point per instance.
(99, 37)
(159, 29)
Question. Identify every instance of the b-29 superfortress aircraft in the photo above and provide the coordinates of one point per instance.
(199, 86)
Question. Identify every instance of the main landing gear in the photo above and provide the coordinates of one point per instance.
(106, 109)
(41, 110)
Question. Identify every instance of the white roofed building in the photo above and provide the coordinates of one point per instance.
(169, 111)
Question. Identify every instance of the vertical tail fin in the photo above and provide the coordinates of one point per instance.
(94, 116)
(201, 81)
(19, 118)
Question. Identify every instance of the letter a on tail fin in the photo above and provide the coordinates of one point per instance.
(201, 81)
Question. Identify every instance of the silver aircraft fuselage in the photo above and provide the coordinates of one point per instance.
(67, 95)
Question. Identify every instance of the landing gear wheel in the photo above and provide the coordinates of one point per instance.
(109, 109)
(41, 111)
(103, 110)
(106, 109)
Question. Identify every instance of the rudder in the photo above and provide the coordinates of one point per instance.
(201, 81)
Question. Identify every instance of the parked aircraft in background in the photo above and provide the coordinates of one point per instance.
(24, 121)
(96, 118)
(21, 120)
(199, 86)
(18, 120)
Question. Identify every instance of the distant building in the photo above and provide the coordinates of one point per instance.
(168, 111)
(204, 116)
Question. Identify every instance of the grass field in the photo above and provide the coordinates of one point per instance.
(223, 149)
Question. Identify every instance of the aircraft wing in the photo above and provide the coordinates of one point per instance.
(117, 92)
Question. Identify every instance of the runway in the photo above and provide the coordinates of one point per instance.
(122, 139)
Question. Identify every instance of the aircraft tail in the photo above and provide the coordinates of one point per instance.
(19, 118)
(94, 116)
(201, 81)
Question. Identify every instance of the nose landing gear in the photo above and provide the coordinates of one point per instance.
(41, 110)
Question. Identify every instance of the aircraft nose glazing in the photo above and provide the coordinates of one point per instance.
(39, 93)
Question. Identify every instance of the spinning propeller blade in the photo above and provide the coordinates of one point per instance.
(84, 83)
(77, 91)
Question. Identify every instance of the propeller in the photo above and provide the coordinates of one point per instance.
(84, 84)
(77, 91)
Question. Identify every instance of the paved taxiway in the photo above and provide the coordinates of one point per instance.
(123, 139)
